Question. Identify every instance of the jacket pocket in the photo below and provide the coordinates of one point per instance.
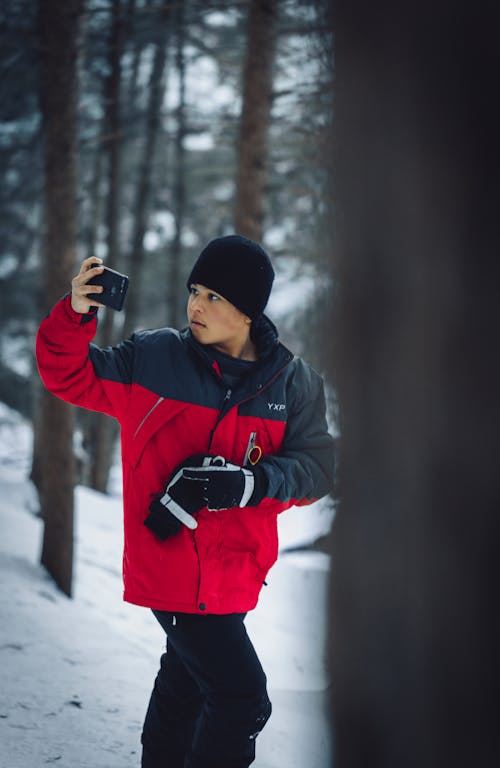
(259, 439)
(157, 416)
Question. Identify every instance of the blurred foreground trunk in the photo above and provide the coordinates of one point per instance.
(414, 622)
(59, 25)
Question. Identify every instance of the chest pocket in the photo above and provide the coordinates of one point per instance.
(265, 439)
(262, 425)
(247, 439)
(159, 415)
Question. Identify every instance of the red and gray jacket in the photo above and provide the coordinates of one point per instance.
(171, 402)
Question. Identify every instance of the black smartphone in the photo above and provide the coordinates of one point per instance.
(115, 288)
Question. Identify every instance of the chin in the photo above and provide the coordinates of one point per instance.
(201, 336)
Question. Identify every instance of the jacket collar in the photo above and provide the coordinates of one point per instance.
(264, 335)
(273, 356)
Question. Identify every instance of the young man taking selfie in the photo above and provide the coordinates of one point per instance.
(222, 429)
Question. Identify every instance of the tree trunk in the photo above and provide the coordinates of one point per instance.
(141, 208)
(16, 391)
(176, 306)
(255, 117)
(114, 145)
(135, 56)
(59, 27)
(95, 205)
(103, 430)
(415, 633)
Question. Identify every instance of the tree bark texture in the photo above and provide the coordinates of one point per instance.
(16, 391)
(143, 192)
(414, 621)
(176, 296)
(103, 430)
(113, 145)
(255, 117)
(59, 26)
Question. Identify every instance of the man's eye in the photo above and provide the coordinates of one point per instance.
(193, 291)
(213, 297)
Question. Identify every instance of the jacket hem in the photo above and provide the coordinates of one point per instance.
(193, 608)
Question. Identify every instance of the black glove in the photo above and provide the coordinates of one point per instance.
(166, 516)
(216, 484)
(161, 521)
(203, 481)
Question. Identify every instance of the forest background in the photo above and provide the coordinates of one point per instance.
(137, 130)
(413, 337)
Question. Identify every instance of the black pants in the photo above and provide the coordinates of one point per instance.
(209, 700)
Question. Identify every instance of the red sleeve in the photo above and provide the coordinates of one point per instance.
(77, 371)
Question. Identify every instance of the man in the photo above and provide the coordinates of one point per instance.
(222, 429)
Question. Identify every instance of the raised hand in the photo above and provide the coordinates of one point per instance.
(80, 289)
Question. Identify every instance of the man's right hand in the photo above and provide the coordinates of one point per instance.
(79, 288)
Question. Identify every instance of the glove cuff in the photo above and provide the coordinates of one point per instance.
(177, 511)
(260, 486)
(249, 487)
(166, 518)
(160, 522)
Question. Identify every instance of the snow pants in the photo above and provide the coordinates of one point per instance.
(209, 700)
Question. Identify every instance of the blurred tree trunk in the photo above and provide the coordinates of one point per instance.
(135, 57)
(95, 205)
(255, 116)
(103, 429)
(113, 143)
(415, 631)
(176, 302)
(15, 391)
(59, 29)
(143, 193)
(91, 200)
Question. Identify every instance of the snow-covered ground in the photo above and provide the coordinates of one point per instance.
(75, 675)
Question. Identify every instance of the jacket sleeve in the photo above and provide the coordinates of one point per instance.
(303, 471)
(75, 370)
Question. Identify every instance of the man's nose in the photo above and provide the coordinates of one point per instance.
(196, 303)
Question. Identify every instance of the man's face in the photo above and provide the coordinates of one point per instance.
(214, 320)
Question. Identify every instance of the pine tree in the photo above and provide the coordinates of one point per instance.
(59, 29)
(255, 116)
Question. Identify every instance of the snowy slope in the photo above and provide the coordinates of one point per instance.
(75, 675)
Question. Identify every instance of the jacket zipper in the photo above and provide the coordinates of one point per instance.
(146, 417)
(229, 392)
(221, 415)
(227, 397)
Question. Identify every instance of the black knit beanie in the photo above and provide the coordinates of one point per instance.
(238, 269)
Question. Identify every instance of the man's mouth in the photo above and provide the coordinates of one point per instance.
(198, 324)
